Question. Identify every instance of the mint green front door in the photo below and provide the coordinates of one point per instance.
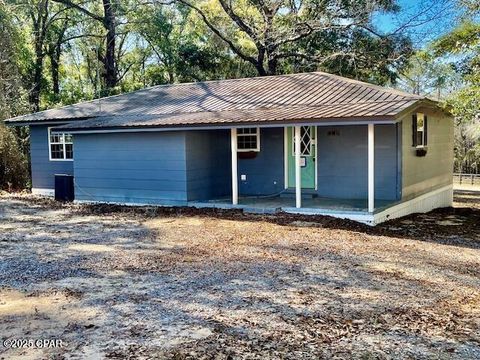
(307, 160)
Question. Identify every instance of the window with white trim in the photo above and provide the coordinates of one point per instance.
(419, 130)
(306, 141)
(60, 145)
(248, 139)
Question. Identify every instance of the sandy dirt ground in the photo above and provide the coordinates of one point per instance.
(466, 187)
(112, 282)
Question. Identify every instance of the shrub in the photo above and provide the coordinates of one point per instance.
(14, 174)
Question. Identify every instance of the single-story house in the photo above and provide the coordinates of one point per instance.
(311, 143)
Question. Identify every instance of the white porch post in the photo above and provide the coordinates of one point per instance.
(371, 168)
(233, 141)
(298, 173)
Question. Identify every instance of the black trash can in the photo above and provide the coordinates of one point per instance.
(64, 187)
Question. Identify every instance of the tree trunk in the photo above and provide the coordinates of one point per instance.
(37, 76)
(272, 66)
(39, 29)
(109, 61)
(260, 59)
(108, 21)
(55, 65)
(260, 69)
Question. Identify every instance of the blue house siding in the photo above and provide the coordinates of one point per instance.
(146, 168)
(265, 172)
(44, 170)
(343, 162)
(208, 164)
(172, 168)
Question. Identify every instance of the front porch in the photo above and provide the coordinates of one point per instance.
(313, 205)
(356, 210)
(333, 164)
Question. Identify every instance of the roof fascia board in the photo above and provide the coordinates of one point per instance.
(220, 127)
(421, 103)
(42, 122)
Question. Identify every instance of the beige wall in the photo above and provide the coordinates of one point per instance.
(423, 174)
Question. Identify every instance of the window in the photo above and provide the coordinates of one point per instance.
(306, 141)
(419, 130)
(248, 139)
(61, 145)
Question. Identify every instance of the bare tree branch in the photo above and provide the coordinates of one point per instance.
(81, 9)
(238, 20)
(80, 36)
(217, 32)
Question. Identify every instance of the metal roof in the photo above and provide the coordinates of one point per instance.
(365, 111)
(306, 96)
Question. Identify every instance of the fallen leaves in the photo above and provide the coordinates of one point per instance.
(190, 284)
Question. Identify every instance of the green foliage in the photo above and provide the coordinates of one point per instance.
(13, 162)
(198, 40)
(57, 49)
(430, 76)
(179, 49)
(284, 36)
(462, 39)
(357, 54)
(12, 97)
(463, 45)
(465, 106)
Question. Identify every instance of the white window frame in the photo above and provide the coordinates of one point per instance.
(312, 142)
(422, 145)
(62, 143)
(257, 149)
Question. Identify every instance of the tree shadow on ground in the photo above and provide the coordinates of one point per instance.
(313, 299)
(459, 226)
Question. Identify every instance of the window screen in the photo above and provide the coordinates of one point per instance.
(248, 139)
(419, 130)
(61, 146)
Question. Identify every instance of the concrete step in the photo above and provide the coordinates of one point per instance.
(306, 194)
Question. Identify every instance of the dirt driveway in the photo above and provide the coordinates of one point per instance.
(163, 283)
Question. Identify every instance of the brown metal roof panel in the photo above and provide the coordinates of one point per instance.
(312, 94)
(333, 96)
(326, 86)
(253, 93)
(350, 96)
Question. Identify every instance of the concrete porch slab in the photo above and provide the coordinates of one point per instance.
(345, 209)
(277, 203)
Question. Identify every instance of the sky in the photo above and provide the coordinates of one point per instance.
(423, 20)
